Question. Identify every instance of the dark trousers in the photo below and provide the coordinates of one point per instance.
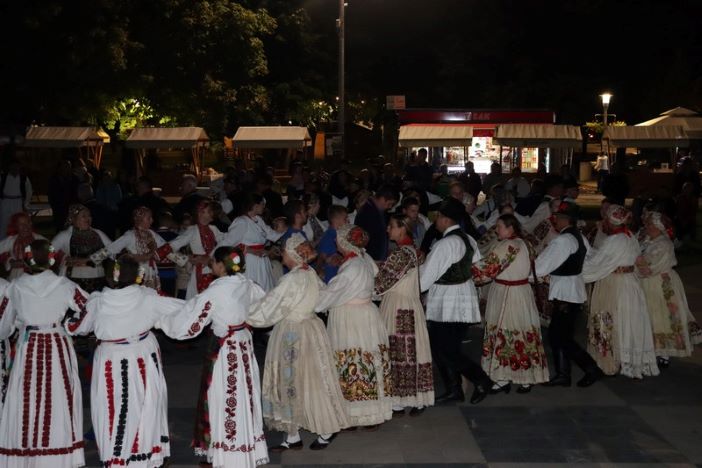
(445, 340)
(561, 334)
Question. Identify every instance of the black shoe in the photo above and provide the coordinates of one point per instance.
(559, 380)
(448, 397)
(398, 413)
(524, 389)
(316, 445)
(504, 388)
(479, 395)
(589, 379)
(414, 412)
(287, 446)
(663, 363)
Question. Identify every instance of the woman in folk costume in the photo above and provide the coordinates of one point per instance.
(249, 232)
(401, 309)
(42, 420)
(673, 324)
(300, 385)
(619, 327)
(19, 236)
(357, 333)
(76, 245)
(141, 242)
(5, 351)
(513, 350)
(128, 397)
(202, 238)
(232, 435)
(597, 236)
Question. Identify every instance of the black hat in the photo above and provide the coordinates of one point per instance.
(569, 209)
(452, 208)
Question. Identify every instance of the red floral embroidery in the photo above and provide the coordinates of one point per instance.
(142, 370)
(61, 340)
(26, 387)
(3, 306)
(80, 301)
(230, 410)
(31, 452)
(241, 448)
(40, 375)
(196, 327)
(247, 371)
(110, 385)
(47, 390)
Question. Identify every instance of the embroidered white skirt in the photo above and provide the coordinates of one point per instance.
(41, 425)
(129, 404)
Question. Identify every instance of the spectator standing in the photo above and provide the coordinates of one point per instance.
(15, 194)
(371, 217)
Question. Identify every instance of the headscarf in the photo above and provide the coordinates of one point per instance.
(292, 244)
(617, 215)
(660, 221)
(352, 238)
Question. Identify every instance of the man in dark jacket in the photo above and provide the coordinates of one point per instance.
(371, 217)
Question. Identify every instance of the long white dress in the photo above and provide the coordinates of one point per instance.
(401, 308)
(128, 397)
(236, 436)
(252, 234)
(42, 420)
(512, 346)
(9, 252)
(128, 241)
(619, 328)
(202, 240)
(360, 342)
(300, 384)
(5, 348)
(665, 296)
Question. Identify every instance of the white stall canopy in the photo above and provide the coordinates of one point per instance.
(194, 138)
(646, 136)
(415, 135)
(176, 137)
(538, 136)
(689, 120)
(272, 137)
(88, 140)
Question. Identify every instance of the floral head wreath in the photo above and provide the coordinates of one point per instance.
(140, 273)
(232, 262)
(29, 256)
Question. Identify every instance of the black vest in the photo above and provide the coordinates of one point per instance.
(574, 263)
(459, 272)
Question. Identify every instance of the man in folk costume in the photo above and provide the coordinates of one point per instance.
(452, 303)
(563, 259)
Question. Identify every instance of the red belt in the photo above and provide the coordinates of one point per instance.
(251, 247)
(624, 269)
(140, 337)
(512, 283)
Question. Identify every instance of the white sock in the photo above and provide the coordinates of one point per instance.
(499, 384)
(420, 407)
(324, 438)
(292, 437)
(398, 408)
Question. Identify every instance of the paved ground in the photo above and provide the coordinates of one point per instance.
(618, 422)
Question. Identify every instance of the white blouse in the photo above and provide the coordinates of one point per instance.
(354, 281)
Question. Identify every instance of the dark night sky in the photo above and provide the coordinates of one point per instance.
(524, 54)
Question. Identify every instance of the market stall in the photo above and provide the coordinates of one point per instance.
(88, 141)
(193, 138)
(249, 139)
(453, 140)
(534, 144)
(689, 120)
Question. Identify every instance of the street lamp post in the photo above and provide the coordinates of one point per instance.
(341, 23)
(605, 107)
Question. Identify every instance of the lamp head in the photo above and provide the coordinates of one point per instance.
(605, 98)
